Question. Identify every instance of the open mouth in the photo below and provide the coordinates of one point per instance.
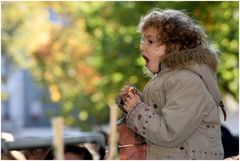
(146, 59)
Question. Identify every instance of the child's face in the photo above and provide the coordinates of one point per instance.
(151, 50)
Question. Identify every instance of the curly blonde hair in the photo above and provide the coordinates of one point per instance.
(176, 29)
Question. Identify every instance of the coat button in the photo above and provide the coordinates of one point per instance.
(139, 116)
(208, 126)
(193, 151)
(181, 148)
(155, 105)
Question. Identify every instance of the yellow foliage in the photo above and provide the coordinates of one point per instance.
(55, 95)
(83, 115)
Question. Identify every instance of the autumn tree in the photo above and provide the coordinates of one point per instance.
(84, 52)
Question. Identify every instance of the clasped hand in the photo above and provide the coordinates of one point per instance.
(129, 99)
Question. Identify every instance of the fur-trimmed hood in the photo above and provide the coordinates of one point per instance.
(198, 55)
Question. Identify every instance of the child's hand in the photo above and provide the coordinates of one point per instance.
(123, 94)
(131, 101)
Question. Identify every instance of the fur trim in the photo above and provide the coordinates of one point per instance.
(198, 55)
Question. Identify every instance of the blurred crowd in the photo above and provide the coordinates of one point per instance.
(84, 151)
(71, 152)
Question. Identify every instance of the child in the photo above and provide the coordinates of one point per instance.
(178, 112)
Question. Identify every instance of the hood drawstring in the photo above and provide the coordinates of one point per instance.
(223, 110)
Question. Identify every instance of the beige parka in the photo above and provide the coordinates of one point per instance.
(179, 112)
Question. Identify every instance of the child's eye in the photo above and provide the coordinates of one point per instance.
(150, 41)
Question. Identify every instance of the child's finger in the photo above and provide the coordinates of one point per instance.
(125, 107)
(133, 96)
(130, 95)
(124, 90)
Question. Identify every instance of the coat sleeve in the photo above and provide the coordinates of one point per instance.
(180, 116)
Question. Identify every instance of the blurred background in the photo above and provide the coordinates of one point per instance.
(71, 59)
